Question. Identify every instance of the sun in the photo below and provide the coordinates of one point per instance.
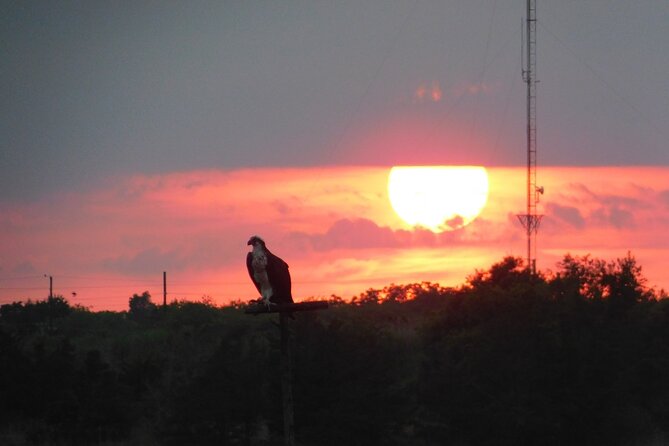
(439, 198)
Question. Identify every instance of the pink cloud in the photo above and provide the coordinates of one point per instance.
(428, 92)
(565, 214)
(358, 234)
(334, 226)
(615, 216)
(473, 89)
(432, 92)
(664, 197)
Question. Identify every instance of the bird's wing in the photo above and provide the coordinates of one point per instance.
(249, 266)
(279, 277)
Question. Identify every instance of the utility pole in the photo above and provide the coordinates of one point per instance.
(164, 288)
(285, 314)
(287, 382)
(50, 285)
(531, 220)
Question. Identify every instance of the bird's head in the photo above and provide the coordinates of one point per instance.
(255, 241)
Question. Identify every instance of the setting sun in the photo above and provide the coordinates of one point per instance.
(439, 198)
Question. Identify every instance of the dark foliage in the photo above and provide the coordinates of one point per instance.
(574, 357)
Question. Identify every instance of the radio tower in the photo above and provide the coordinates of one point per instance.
(531, 220)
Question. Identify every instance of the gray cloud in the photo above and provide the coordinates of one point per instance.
(349, 234)
(600, 208)
(568, 214)
(148, 261)
(614, 216)
(664, 197)
(96, 89)
(365, 234)
(24, 267)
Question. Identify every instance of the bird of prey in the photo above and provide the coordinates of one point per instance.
(269, 273)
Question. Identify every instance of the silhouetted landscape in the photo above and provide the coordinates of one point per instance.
(575, 356)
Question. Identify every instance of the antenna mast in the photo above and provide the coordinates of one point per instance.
(530, 220)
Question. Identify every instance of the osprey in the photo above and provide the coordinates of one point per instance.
(269, 273)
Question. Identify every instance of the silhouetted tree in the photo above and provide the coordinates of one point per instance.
(104, 404)
(141, 308)
(354, 379)
(29, 315)
(574, 357)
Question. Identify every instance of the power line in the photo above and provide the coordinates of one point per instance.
(124, 279)
(603, 80)
(352, 117)
(21, 278)
(484, 68)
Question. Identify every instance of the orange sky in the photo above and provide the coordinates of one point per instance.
(334, 226)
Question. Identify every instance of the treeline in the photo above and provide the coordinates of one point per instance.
(577, 356)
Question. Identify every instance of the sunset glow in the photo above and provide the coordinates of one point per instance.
(439, 198)
(335, 226)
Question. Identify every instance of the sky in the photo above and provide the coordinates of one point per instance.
(142, 137)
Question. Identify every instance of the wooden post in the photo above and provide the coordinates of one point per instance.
(50, 285)
(287, 381)
(285, 315)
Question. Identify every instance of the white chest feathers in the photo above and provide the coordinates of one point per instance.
(259, 264)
